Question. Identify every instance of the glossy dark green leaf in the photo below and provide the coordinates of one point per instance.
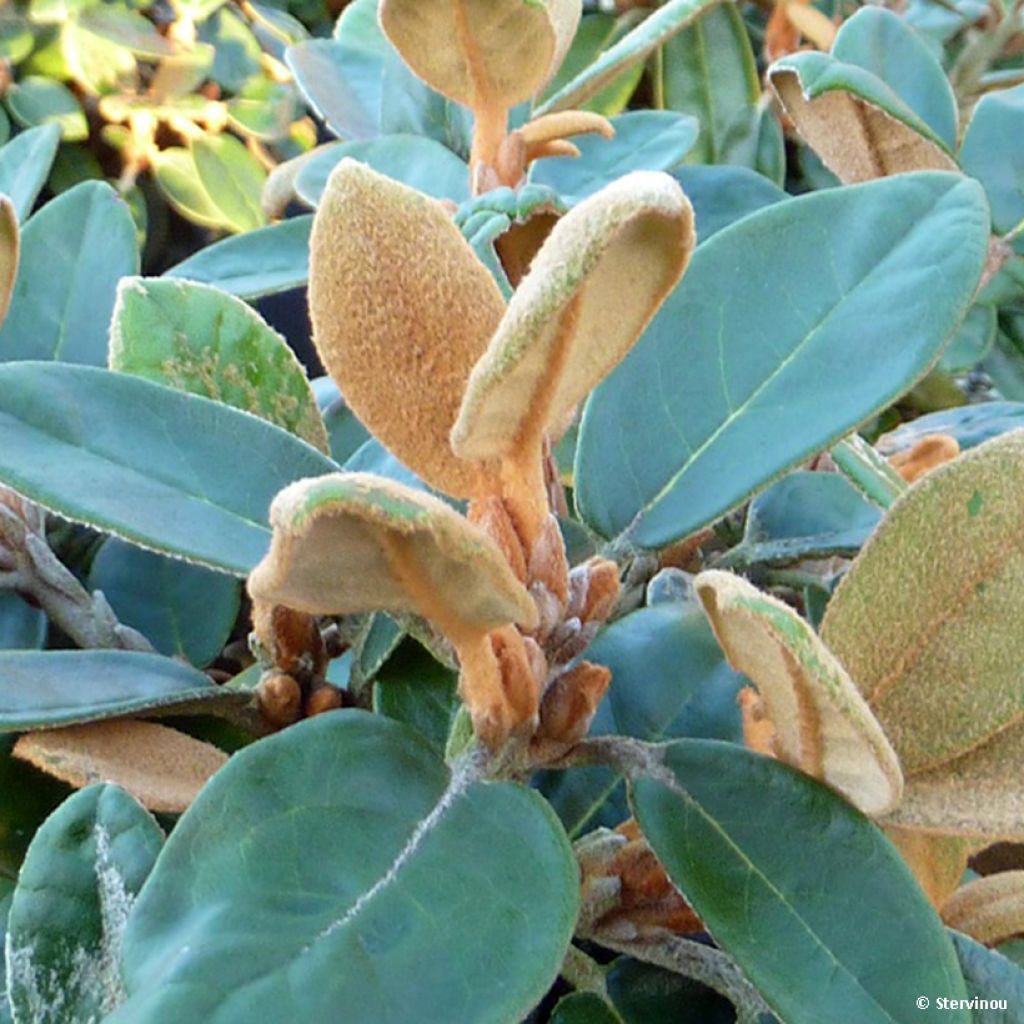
(722, 195)
(47, 689)
(24, 165)
(804, 515)
(262, 262)
(971, 425)
(80, 878)
(415, 689)
(652, 140)
(457, 900)
(183, 610)
(584, 1008)
(418, 162)
(703, 411)
(73, 253)
(174, 472)
(36, 100)
(993, 978)
(993, 152)
(22, 627)
(669, 679)
(645, 994)
(232, 178)
(844, 936)
(882, 42)
(376, 644)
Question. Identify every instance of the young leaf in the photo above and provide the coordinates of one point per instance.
(232, 178)
(482, 53)
(925, 621)
(401, 364)
(24, 165)
(155, 466)
(9, 249)
(858, 126)
(162, 768)
(198, 339)
(844, 935)
(73, 253)
(453, 897)
(989, 909)
(81, 876)
(701, 414)
(822, 725)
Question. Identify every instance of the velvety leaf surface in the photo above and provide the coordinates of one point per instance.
(73, 252)
(195, 338)
(705, 409)
(150, 464)
(456, 899)
(24, 164)
(83, 871)
(844, 936)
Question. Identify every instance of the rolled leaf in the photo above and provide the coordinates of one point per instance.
(402, 309)
(9, 248)
(823, 726)
(989, 909)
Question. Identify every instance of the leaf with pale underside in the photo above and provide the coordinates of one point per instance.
(989, 909)
(823, 725)
(927, 621)
(482, 53)
(355, 542)
(162, 768)
(401, 309)
(593, 287)
(9, 249)
(855, 122)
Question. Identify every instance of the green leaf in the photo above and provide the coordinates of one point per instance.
(453, 896)
(971, 425)
(200, 340)
(178, 178)
(669, 679)
(972, 342)
(82, 874)
(645, 994)
(992, 977)
(127, 28)
(183, 610)
(845, 935)
(22, 627)
(708, 70)
(630, 50)
(36, 101)
(73, 252)
(701, 412)
(722, 195)
(47, 689)
(415, 161)
(884, 44)
(993, 152)
(584, 1008)
(653, 140)
(237, 51)
(261, 262)
(95, 64)
(232, 178)
(174, 472)
(25, 164)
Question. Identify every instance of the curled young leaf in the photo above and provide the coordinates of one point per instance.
(9, 250)
(162, 768)
(855, 122)
(593, 287)
(401, 309)
(989, 909)
(927, 620)
(823, 726)
(482, 53)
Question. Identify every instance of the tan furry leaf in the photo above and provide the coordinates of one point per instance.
(9, 251)
(938, 862)
(924, 455)
(989, 909)
(482, 52)
(401, 309)
(856, 140)
(927, 620)
(823, 725)
(596, 282)
(811, 23)
(162, 768)
(354, 542)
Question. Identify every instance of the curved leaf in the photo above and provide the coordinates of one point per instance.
(992, 977)
(24, 165)
(232, 178)
(989, 909)
(9, 249)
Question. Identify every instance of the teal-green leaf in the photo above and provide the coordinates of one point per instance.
(971, 425)
(651, 140)
(82, 873)
(261, 262)
(992, 977)
(844, 936)
(36, 100)
(73, 253)
(48, 689)
(722, 195)
(184, 610)
(22, 627)
(430, 896)
(883, 43)
(972, 341)
(25, 164)
(173, 472)
(584, 1008)
(341, 87)
(993, 152)
(198, 339)
(233, 178)
(849, 296)
(177, 177)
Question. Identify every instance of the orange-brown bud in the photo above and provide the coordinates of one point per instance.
(291, 639)
(324, 698)
(932, 451)
(492, 517)
(521, 688)
(547, 563)
(571, 702)
(603, 589)
(280, 699)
